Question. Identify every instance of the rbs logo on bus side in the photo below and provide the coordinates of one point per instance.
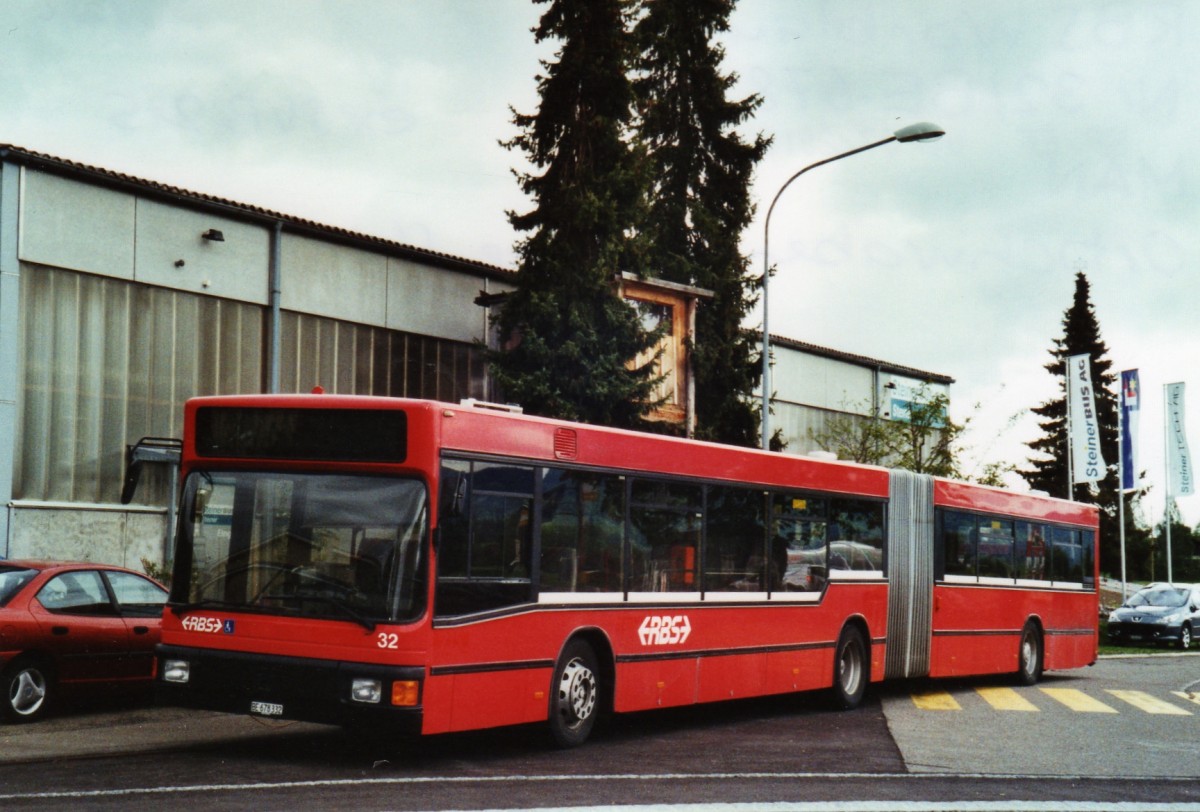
(664, 630)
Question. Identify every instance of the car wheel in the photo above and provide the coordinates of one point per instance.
(1185, 637)
(27, 691)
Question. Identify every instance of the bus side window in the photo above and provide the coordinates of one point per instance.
(733, 539)
(995, 548)
(1088, 540)
(582, 532)
(800, 557)
(453, 518)
(1031, 551)
(485, 537)
(667, 515)
(958, 542)
(1066, 555)
(858, 525)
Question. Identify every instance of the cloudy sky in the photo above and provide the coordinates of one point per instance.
(1070, 146)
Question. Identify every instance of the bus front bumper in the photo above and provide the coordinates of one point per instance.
(360, 695)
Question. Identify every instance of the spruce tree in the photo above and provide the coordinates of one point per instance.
(569, 341)
(1048, 472)
(699, 203)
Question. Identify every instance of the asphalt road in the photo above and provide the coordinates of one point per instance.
(792, 752)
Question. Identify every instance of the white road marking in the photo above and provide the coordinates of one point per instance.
(831, 806)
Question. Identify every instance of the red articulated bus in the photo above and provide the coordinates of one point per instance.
(428, 567)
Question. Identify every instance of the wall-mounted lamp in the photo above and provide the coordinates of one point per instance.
(213, 235)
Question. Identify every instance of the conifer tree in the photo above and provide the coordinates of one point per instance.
(699, 203)
(1048, 471)
(570, 342)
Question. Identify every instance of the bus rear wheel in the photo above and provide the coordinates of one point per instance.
(851, 669)
(574, 695)
(1029, 664)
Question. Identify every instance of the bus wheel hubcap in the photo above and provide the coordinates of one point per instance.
(850, 669)
(577, 692)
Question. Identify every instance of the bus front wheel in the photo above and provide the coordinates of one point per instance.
(851, 669)
(574, 695)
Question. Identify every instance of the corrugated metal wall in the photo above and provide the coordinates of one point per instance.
(106, 362)
(354, 359)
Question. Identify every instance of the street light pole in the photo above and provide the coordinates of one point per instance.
(923, 131)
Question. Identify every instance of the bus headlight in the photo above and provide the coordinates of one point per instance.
(364, 689)
(179, 671)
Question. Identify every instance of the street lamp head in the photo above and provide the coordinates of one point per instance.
(921, 131)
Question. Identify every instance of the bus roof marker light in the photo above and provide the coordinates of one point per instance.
(510, 408)
(921, 131)
(318, 390)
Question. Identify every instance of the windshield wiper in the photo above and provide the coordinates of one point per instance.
(362, 620)
(346, 609)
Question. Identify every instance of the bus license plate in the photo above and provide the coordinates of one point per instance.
(266, 709)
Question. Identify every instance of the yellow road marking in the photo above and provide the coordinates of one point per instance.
(1005, 699)
(1150, 704)
(935, 700)
(1190, 696)
(1077, 700)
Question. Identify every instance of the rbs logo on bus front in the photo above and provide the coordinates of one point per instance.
(664, 630)
(207, 625)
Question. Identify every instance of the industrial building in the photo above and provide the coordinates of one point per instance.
(122, 297)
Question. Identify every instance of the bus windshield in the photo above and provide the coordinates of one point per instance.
(335, 546)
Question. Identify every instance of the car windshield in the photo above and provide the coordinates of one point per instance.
(1159, 596)
(316, 545)
(11, 581)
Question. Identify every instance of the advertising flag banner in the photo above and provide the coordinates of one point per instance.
(1179, 460)
(1130, 390)
(1086, 460)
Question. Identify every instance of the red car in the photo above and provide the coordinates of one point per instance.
(73, 628)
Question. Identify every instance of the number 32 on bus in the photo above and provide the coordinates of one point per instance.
(416, 566)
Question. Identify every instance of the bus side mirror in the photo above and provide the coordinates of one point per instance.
(203, 495)
(148, 449)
